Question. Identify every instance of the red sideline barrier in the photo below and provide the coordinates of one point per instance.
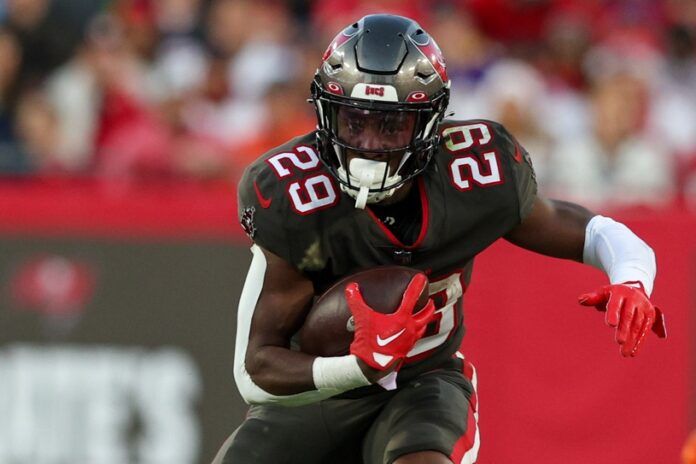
(552, 385)
(119, 209)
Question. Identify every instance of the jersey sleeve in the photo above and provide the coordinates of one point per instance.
(259, 210)
(519, 162)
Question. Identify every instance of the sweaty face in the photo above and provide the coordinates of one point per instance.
(372, 130)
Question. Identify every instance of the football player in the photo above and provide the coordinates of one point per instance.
(387, 179)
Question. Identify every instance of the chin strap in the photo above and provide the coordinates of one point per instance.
(365, 181)
(367, 175)
(361, 199)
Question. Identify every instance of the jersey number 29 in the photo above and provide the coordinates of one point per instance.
(309, 194)
(469, 168)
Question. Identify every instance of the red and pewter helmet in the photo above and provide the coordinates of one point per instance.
(380, 93)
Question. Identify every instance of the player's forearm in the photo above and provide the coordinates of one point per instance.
(281, 376)
(281, 371)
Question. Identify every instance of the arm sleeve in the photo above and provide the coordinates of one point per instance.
(613, 248)
(252, 393)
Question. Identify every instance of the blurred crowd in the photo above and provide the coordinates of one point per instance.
(602, 93)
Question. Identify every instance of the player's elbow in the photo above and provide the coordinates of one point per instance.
(248, 374)
(259, 369)
(253, 393)
(249, 390)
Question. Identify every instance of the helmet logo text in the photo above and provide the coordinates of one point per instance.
(379, 91)
(374, 92)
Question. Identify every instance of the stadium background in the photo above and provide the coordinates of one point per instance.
(124, 126)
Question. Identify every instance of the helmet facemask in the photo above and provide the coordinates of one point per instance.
(372, 147)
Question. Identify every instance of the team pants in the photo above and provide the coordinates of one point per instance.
(435, 411)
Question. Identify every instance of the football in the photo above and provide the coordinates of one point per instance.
(328, 328)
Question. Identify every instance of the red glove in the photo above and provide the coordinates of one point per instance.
(383, 339)
(628, 309)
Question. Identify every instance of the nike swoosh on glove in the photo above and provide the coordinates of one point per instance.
(630, 311)
(380, 340)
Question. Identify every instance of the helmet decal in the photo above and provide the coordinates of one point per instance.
(433, 53)
(417, 96)
(335, 88)
(375, 92)
(342, 37)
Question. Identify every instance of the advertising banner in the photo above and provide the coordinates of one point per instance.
(117, 352)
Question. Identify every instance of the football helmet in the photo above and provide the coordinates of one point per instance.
(380, 93)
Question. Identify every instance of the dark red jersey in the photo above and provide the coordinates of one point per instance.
(479, 185)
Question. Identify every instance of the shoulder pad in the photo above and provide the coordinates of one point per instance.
(483, 153)
(279, 188)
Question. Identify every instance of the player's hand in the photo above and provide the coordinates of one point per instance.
(630, 311)
(382, 340)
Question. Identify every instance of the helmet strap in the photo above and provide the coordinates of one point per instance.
(366, 171)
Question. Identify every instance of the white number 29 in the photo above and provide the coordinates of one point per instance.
(309, 194)
(468, 168)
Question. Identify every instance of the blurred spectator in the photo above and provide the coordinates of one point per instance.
(207, 123)
(681, 11)
(73, 90)
(177, 18)
(45, 39)
(136, 17)
(37, 132)
(565, 42)
(287, 115)
(559, 57)
(515, 22)
(212, 113)
(469, 55)
(673, 119)
(515, 91)
(228, 26)
(11, 158)
(105, 71)
(131, 139)
(132, 142)
(180, 60)
(614, 164)
(268, 55)
(331, 16)
(180, 68)
(600, 92)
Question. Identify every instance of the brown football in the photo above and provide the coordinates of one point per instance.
(328, 329)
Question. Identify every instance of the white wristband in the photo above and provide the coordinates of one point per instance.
(621, 254)
(338, 373)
